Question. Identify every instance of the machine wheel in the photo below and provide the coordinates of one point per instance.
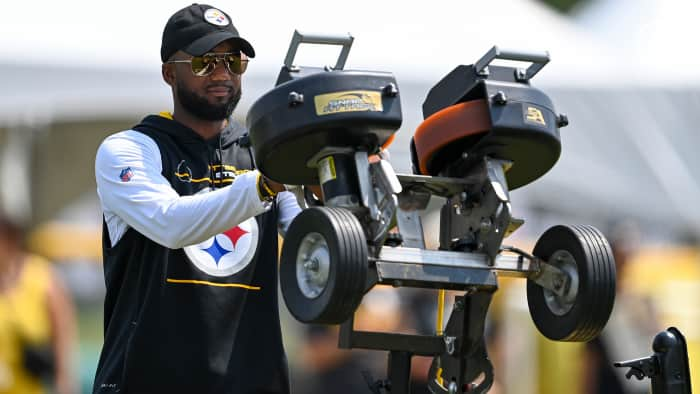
(323, 269)
(581, 313)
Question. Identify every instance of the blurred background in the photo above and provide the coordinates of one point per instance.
(626, 72)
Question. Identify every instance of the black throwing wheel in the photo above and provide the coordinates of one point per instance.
(324, 265)
(579, 314)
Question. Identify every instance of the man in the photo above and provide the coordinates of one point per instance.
(190, 232)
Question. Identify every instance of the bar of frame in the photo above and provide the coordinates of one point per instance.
(505, 264)
(420, 345)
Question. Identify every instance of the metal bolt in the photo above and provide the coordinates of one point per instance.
(562, 120)
(520, 75)
(295, 99)
(452, 387)
(311, 265)
(485, 225)
(390, 90)
(500, 98)
(450, 344)
(558, 282)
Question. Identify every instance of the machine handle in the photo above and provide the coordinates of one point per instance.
(298, 38)
(539, 60)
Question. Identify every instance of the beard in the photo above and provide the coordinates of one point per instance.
(201, 108)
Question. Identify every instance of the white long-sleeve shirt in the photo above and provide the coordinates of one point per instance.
(148, 203)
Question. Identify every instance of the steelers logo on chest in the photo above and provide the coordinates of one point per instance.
(227, 253)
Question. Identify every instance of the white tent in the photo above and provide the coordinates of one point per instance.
(655, 39)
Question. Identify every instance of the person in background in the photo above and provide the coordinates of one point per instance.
(37, 321)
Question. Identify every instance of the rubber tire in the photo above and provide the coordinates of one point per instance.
(347, 247)
(596, 294)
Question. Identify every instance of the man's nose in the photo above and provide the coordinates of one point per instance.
(220, 71)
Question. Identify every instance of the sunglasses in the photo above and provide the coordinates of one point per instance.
(205, 64)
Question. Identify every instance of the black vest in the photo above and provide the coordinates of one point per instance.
(169, 326)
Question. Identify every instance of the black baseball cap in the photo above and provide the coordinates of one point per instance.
(197, 29)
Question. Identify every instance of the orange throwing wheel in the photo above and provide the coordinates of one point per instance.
(444, 135)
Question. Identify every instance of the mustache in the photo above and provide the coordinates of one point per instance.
(228, 85)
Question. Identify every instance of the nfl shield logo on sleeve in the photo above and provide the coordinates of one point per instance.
(126, 174)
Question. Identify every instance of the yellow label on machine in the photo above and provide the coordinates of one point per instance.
(534, 115)
(326, 168)
(348, 101)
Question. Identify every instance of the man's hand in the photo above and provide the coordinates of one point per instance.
(316, 190)
(267, 188)
(274, 186)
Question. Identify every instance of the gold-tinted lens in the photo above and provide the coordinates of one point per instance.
(203, 65)
(236, 64)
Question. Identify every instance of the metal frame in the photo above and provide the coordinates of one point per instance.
(298, 38)
(475, 219)
(539, 60)
(461, 348)
(460, 352)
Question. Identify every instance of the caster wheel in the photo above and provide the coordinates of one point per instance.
(323, 269)
(579, 314)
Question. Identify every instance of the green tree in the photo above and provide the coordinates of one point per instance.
(564, 5)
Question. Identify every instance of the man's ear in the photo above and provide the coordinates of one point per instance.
(168, 73)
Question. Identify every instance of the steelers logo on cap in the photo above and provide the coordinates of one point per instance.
(215, 17)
